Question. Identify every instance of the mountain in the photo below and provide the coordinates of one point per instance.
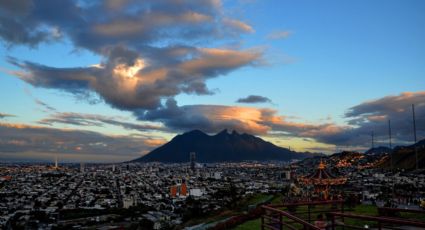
(222, 147)
(378, 150)
(405, 156)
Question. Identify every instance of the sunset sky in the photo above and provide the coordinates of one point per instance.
(110, 80)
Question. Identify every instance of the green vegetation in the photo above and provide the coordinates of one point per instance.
(277, 199)
(254, 200)
(362, 209)
(250, 225)
(256, 223)
(413, 216)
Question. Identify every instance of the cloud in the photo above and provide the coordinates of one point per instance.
(362, 120)
(95, 25)
(254, 99)
(96, 120)
(5, 115)
(238, 25)
(17, 139)
(209, 118)
(281, 34)
(214, 118)
(46, 107)
(373, 116)
(151, 50)
(128, 82)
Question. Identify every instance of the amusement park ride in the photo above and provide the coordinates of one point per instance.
(322, 180)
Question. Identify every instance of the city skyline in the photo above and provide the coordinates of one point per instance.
(108, 81)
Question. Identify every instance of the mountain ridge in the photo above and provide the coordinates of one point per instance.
(224, 146)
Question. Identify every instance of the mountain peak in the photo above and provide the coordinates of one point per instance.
(222, 132)
(195, 132)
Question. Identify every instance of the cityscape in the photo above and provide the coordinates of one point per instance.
(212, 114)
(193, 195)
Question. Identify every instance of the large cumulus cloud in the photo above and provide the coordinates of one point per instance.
(151, 50)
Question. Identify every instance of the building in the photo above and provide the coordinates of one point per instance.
(192, 160)
(183, 190)
(173, 191)
(196, 192)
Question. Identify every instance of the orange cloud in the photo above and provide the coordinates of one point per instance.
(154, 142)
(238, 25)
(211, 59)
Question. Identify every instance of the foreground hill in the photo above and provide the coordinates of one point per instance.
(405, 157)
(222, 147)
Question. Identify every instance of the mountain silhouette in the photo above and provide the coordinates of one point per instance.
(222, 147)
(378, 150)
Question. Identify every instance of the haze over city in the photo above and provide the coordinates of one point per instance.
(108, 81)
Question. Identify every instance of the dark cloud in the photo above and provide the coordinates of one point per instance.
(254, 99)
(373, 116)
(96, 120)
(4, 115)
(45, 107)
(151, 50)
(19, 138)
(125, 83)
(209, 118)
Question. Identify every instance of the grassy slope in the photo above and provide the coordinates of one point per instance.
(255, 224)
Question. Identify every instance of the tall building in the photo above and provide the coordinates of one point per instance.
(287, 173)
(192, 160)
(82, 167)
(56, 161)
(173, 191)
(183, 190)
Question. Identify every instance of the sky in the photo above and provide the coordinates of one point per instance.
(108, 81)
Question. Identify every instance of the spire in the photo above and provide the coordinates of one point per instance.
(56, 161)
(322, 165)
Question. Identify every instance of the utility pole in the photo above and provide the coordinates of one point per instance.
(391, 150)
(414, 135)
